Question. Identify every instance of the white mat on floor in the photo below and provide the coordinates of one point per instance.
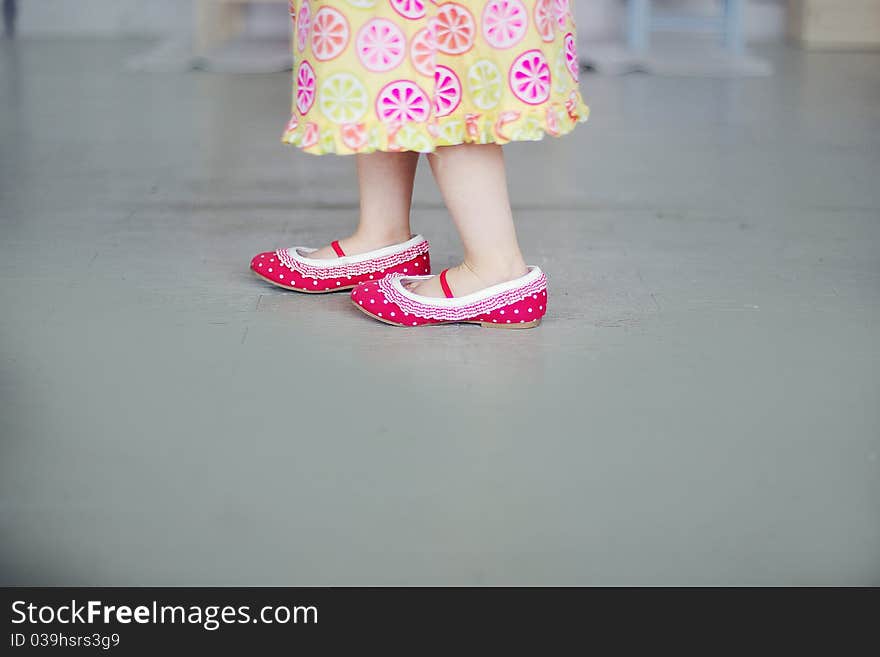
(685, 57)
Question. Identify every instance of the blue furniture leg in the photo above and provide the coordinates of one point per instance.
(734, 39)
(10, 9)
(638, 24)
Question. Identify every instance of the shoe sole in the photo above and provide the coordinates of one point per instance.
(298, 289)
(491, 325)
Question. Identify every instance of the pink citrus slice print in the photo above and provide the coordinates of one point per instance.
(545, 20)
(530, 77)
(305, 88)
(454, 29)
(310, 136)
(403, 101)
(381, 45)
(354, 135)
(329, 34)
(561, 9)
(303, 25)
(447, 91)
(571, 56)
(505, 23)
(412, 9)
(422, 51)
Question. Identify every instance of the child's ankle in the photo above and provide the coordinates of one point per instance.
(495, 272)
(371, 241)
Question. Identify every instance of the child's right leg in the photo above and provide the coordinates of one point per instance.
(386, 182)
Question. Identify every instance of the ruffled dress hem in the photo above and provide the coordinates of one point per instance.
(493, 127)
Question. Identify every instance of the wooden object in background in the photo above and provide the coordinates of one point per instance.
(216, 21)
(835, 24)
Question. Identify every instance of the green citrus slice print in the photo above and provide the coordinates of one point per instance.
(485, 84)
(343, 98)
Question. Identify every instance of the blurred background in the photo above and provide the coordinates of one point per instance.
(700, 405)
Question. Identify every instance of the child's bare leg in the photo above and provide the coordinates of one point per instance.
(385, 181)
(473, 182)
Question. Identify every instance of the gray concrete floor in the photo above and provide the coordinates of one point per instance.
(700, 406)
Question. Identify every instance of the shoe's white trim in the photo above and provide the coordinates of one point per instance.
(298, 254)
(399, 284)
(372, 262)
(460, 309)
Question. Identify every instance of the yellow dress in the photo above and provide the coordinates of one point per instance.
(412, 75)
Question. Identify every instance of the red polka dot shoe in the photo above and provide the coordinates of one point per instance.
(292, 269)
(517, 304)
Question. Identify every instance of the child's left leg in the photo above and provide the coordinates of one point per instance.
(385, 182)
(473, 181)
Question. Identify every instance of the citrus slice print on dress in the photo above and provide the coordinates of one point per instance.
(450, 132)
(362, 4)
(485, 84)
(530, 77)
(505, 23)
(354, 135)
(447, 91)
(310, 136)
(381, 45)
(411, 9)
(410, 137)
(330, 34)
(303, 25)
(545, 20)
(454, 29)
(561, 10)
(305, 88)
(343, 98)
(571, 56)
(403, 101)
(422, 51)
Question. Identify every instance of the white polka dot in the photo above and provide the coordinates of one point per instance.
(315, 282)
(516, 311)
(270, 270)
(372, 301)
(392, 313)
(262, 256)
(415, 323)
(281, 276)
(508, 321)
(522, 321)
(361, 302)
(502, 312)
(530, 310)
(380, 314)
(385, 301)
(540, 307)
(371, 277)
(534, 296)
(272, 260)
(349, 277)
(259, 264)
(404, 270)
(417, 264)
(338, 283)
(495, 321)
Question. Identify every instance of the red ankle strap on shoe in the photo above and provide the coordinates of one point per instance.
(337, 248)
(446, 289)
